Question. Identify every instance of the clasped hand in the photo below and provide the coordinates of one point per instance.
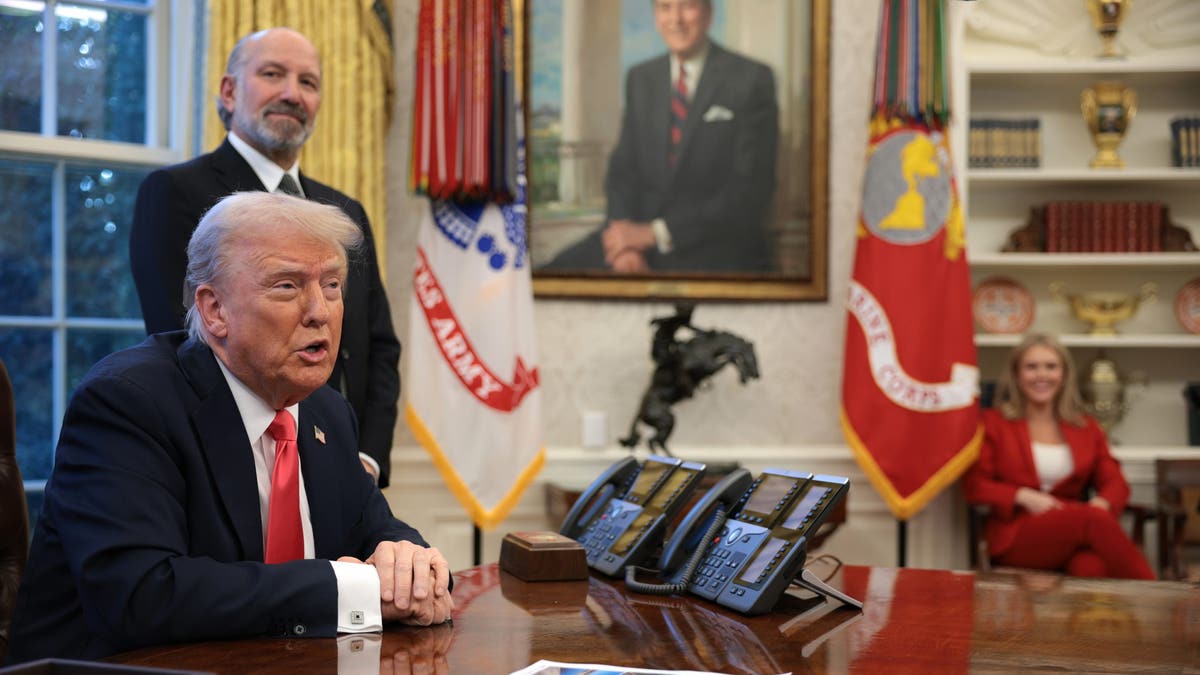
(414, 582)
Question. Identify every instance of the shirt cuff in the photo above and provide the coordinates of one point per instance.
(374, 465)
(358, 608)
(662, 236)
(358, 654)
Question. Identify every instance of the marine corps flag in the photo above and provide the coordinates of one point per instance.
(910, 381)
(474, 401)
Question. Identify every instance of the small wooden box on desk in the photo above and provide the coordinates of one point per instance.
(543, 556)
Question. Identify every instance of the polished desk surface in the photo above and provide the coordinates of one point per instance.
(924, 621)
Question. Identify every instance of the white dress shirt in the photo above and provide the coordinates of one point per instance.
(358, 585)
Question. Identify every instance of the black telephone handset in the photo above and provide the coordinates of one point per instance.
(745, 542)
(622, 517)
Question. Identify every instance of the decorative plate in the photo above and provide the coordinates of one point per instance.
(1187, 306)
(1002, 305)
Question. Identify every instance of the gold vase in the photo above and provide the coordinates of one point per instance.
(1108, 108)
(1106, 17)
(1103, 389)
(1103, 310)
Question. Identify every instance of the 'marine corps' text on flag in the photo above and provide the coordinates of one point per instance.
(474, 401)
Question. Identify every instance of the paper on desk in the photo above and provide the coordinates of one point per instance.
(563, 668)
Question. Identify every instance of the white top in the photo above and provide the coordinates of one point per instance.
(1053, 462)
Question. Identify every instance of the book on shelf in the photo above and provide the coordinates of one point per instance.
(1185, 141)
(1099, 227)
(1004, 143)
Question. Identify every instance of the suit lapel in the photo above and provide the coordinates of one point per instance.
(224, 445)
(1080, 450)
(233, 172)
(658, 110)
(317, 460)
(706, 91)
(1031, 474)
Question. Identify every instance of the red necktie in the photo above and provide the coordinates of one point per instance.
(285, 535)
(679, 112)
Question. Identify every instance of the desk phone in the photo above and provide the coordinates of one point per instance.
(621, 519)
(746, 540)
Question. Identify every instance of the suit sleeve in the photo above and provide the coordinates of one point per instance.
(622, 180)
(378, 418)
(1107, 479)
(719, 221)
(124, 515)
(163, 220)
(984, 483)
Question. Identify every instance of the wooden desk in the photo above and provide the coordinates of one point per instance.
(925, 621)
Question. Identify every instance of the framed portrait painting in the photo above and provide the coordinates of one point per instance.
(678, 149)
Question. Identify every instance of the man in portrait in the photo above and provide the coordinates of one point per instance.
(269, 98)
(690, 182)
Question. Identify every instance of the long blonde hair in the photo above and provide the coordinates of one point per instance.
(1068, 404)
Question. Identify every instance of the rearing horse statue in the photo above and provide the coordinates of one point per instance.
(681, 367)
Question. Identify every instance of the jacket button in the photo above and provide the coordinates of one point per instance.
(299, 629)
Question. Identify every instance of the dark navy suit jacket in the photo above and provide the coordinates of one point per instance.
(171, 202)
(150, 531)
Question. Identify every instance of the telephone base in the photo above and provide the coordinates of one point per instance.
(812, 582)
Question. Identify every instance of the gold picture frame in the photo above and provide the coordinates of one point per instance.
(560, 168)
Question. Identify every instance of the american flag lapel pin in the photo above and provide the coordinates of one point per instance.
(318, 434)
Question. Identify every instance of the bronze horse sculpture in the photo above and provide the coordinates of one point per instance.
(681, 368)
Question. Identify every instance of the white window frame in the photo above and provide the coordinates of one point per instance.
(173, 61)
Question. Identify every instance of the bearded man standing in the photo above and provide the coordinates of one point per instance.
(269, 98)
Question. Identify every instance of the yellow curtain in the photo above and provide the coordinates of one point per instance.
(348, 148)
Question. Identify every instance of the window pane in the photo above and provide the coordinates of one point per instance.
(101, 74)
(25, 238)
(99, 212)
(27, 354)
(87, 346)
(21, 68)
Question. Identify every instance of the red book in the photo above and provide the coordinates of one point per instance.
(1094, 237)
(1127, 220)
(1074, 233)
(1108, 227)
(1156, 226)
(1053, 226)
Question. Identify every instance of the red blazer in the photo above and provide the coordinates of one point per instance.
(1006, 463)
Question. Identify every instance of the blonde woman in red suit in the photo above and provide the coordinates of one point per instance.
(1040, 453)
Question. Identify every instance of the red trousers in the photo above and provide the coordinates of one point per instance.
(1082, 540)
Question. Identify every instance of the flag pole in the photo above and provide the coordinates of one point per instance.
(477, 545)
(901, 543)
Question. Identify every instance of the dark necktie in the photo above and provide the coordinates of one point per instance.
(285, 534)
(679, 113)
(288, 186)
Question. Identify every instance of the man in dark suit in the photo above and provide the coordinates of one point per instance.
(269, 99)
(186, 503)
(690, 181)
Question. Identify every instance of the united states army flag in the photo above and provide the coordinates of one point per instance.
(474, 400)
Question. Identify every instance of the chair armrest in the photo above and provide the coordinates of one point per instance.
(978, 515)
(1140, 513)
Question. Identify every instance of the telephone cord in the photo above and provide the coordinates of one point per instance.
(693, 562)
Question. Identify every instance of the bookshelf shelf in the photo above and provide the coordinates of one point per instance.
(1027, 59)
(1132, 341)
(1162, 261)
(1084, 176)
